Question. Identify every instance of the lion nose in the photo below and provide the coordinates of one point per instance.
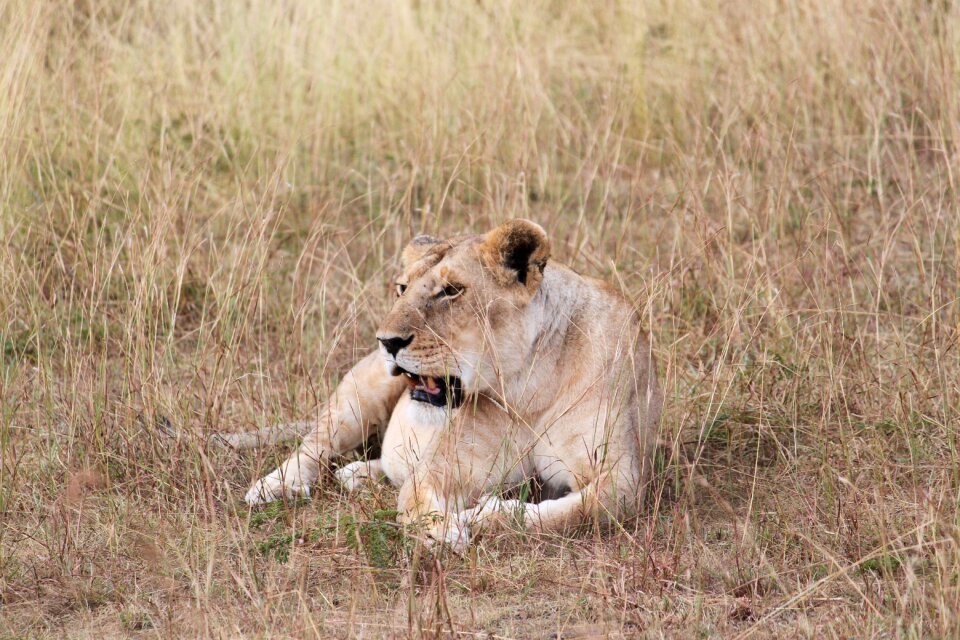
(393, 345)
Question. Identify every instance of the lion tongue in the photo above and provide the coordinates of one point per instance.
(422, 383)
(429, 385)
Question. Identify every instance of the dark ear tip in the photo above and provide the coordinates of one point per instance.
(530, 236)
(519, 245)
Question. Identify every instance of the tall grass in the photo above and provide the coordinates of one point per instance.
(200, 207)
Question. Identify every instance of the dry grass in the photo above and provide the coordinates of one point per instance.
(201, 203)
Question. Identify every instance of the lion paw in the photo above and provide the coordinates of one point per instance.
(354, 475)
(454, 534)
(274, 486)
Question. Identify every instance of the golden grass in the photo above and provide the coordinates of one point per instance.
(201, 203)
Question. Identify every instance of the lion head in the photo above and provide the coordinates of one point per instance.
(460, 323)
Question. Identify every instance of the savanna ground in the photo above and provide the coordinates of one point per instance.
(201, 208)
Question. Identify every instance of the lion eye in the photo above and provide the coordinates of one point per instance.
(451, 291)
(400, 289)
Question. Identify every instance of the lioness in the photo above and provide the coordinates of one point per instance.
(493, 366)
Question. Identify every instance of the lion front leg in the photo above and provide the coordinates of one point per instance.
(363, 402)
(474, 454)
(438, 498)
(422, 502)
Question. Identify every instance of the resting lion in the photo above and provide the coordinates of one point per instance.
(493, 366)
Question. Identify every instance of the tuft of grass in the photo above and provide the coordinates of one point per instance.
(380, 539)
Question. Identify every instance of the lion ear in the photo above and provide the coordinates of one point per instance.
(517, 251)
(417, 248)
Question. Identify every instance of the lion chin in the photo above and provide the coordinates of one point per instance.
(553, 378)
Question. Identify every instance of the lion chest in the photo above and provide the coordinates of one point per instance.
(412, 428)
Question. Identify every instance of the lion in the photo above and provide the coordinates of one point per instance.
(494, 366)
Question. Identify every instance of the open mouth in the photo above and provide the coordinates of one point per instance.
(435, 390)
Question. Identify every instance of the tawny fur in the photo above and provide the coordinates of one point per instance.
(560, 383)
